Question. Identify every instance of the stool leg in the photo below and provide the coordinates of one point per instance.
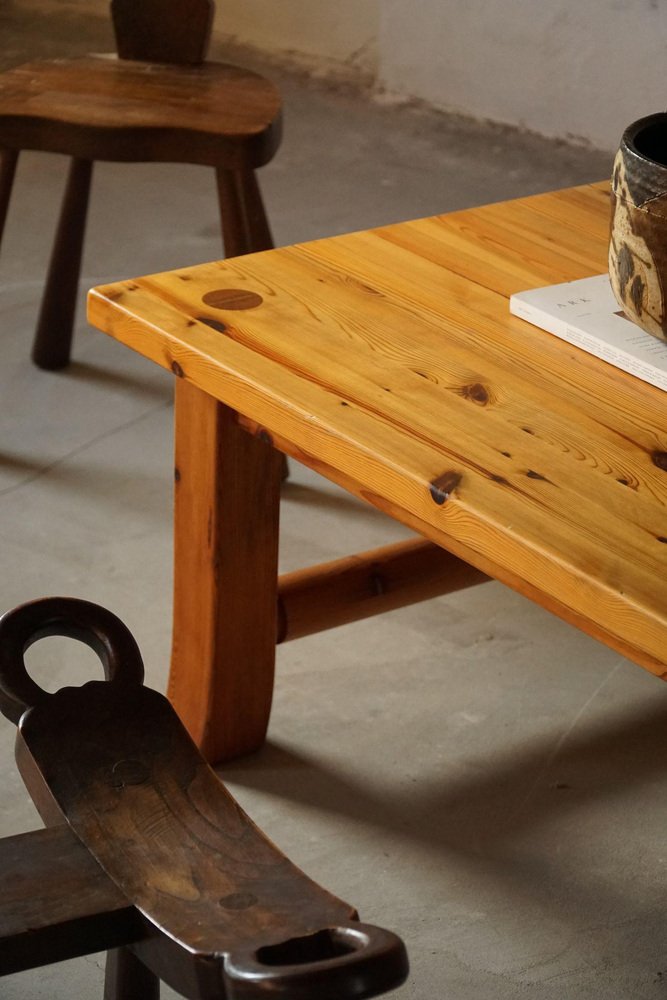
(53, 339)
(257, 224)
(245, 228)
(8, 159)
(232, 214)
(127, 978)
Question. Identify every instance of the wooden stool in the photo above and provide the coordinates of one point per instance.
(158, 102)
(148, 854)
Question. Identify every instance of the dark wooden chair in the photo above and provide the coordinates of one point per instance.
(159, 101)
(148, 855)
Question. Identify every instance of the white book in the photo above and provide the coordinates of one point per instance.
(586, 314)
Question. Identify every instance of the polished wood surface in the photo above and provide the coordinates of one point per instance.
(102, 108)
(57, 903)
(163, 31)
(158, 853)
(388, 361)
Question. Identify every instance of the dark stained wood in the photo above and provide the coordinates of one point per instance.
(232, 213)
(174, 841)
(162, 31)
(34, 781)
(245, 227)
(260, 237)
(127, 978)
(98, 108)
(80, 620)
(55, 326)
(160, 102)
(8, 160)
(56, 902)
(217, 909)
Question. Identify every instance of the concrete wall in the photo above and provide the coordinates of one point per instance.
(577, 69)
(572, 68)
(340, 37)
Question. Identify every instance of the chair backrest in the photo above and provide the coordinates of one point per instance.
(163, 31)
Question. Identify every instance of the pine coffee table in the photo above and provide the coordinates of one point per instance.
(389, 362)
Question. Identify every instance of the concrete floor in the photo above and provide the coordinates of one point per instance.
(470, 772)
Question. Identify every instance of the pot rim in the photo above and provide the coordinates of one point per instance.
(641, 125)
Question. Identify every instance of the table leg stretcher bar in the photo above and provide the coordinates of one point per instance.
(369, 583)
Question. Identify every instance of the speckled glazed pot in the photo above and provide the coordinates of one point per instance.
(638, 243)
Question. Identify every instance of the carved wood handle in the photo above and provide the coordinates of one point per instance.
(219, 904)
(351, 960)
(67, 616)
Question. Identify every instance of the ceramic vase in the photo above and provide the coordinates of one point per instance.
(638, 241)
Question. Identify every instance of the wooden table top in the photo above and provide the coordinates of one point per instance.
(388, 360)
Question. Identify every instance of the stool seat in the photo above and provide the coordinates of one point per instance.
(105, 108)
(151, 855)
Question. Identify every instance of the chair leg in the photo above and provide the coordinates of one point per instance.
(232, 214)
(256, 221)
(53, 339)
(127, 978)
(8, 159)
(245, 228)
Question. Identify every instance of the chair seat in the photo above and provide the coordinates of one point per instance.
(103, 108)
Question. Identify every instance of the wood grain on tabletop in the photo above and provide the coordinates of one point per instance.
(389, 361)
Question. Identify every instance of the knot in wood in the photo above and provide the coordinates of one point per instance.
(263, 435)
(238, 901)
(476, 393)
(443, 485)
(214, 324)
(128, 772)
